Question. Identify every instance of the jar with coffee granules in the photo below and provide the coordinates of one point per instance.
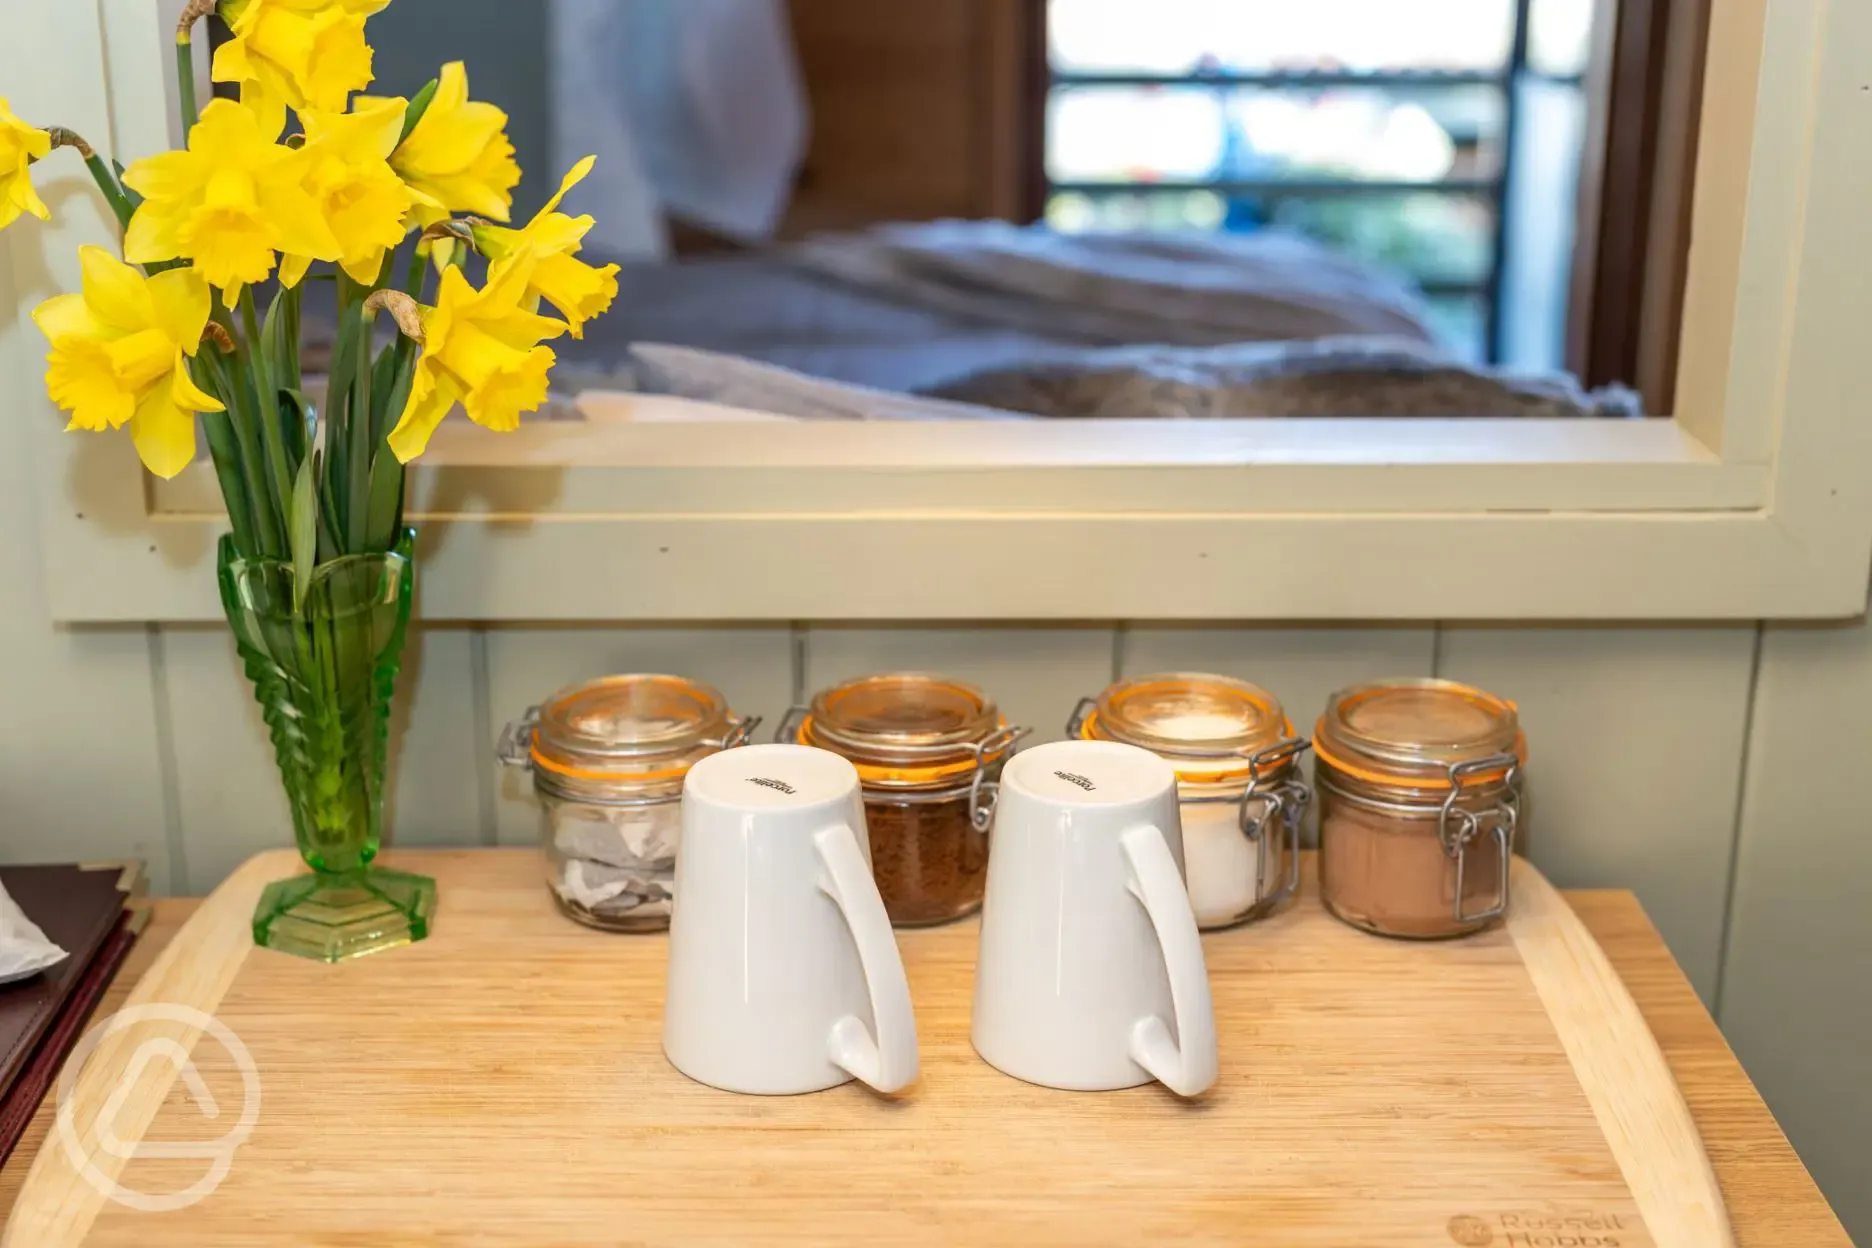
(1419, 785)
(929, 753)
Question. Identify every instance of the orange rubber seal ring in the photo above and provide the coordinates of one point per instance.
(1427, 783)
(580, 773)
(1199, 777)
(878, 774)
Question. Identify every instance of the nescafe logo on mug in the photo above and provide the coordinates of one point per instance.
(1074, 778)
(780, 786)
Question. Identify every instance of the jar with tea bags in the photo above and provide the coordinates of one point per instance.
(608, 760)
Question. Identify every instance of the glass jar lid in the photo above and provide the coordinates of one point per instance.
(1207, 726)
(908, 730)
(636, 728)
(1415, 733)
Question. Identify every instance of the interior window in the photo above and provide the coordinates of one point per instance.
(1440, 139)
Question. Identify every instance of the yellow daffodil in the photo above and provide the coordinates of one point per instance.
(365, 204)
(20, 145)
(458, 158)
(580, 291)
(302, 54)
(481, 348)
(227, 203)
(119, 356)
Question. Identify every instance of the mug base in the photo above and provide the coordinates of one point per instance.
(744, 1085)
(1136, 1077)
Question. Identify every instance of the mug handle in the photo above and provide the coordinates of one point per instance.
(1189, 1068)
(888, 1061)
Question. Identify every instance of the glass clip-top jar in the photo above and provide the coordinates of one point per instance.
(608, 760)
(1420, 789)
(929, 753)
(1241, 798)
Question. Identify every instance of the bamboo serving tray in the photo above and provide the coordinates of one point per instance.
(503, 1084)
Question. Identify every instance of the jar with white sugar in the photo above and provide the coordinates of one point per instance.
(1242, 798)
(608, 760)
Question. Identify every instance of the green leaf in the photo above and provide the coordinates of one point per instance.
(417, 107)
(358, 445)
(305, 528)
(386, 500)
(227, 462)
(308, 410)
(386, 414)
(339, 391)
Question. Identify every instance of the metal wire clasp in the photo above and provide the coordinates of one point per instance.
(515, 748)
(984, 793)
(1457, 827)
(788, 731)
(1261, 804)
(740, 732)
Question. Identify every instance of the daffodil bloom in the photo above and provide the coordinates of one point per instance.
(458, 158)
(227, 203)
(481, 348)
(20, 145)
(119, 356)
(365, 204)
(302, 54)
(580, 291)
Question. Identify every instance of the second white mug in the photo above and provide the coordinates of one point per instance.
(784, 976)
(1091, 973)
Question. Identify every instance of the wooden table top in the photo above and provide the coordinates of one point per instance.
(1772, 1199)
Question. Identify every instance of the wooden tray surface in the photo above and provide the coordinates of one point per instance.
(502, 1083)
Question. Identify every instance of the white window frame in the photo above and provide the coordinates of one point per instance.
(1752, 502)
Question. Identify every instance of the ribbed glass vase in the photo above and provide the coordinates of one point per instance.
(324, 663)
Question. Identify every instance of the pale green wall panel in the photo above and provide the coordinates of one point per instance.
(1796, 998)
(1034, 674)
(1635, 739)
(753, 668)
(81, 771)
(435, 750)
(227, 789)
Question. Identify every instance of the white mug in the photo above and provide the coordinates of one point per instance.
(1091, 970)
(784, 976)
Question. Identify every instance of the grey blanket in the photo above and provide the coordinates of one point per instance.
(1117, 289)
(1336, 377)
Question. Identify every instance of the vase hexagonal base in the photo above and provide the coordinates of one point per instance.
(334, 918)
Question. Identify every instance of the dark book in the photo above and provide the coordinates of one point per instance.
(78, 907)
(41, 1071)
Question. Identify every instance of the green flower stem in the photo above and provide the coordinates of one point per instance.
(272, 437)
(358, 446)
(107, 182)
(222, 449)
(414, 275)
(267, 527)
(185, 72)
(101, 173)
(185, 55)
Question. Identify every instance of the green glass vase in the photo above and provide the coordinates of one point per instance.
(323, 661)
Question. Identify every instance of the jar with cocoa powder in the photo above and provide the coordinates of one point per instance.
(929, 753)
(1419, 785)
(1241, 798)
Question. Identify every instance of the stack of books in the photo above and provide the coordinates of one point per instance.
(95, 913)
